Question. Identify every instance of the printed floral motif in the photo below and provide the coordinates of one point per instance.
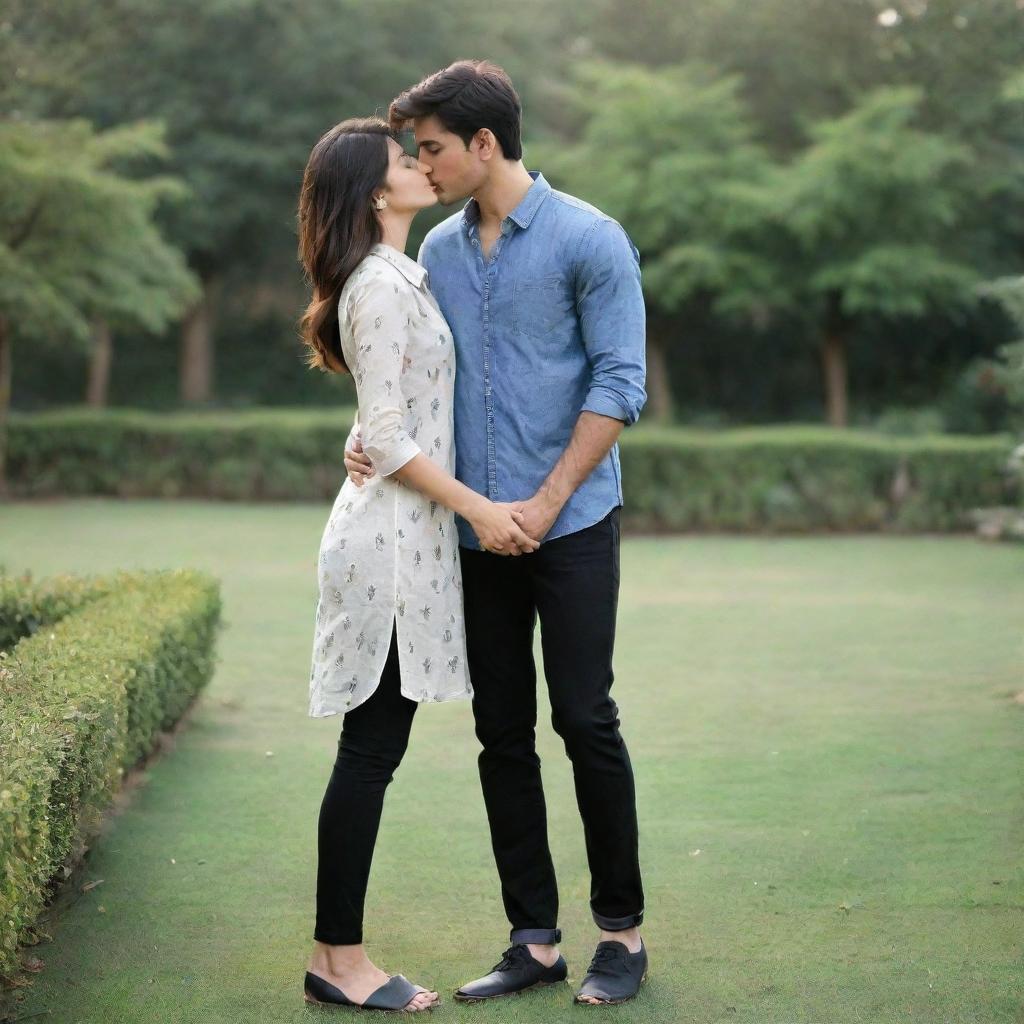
(390, 325)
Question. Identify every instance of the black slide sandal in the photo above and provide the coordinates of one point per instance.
(394, 995)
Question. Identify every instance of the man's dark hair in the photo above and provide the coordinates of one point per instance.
(466, 96)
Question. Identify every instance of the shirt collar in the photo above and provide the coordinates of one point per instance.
(524, 213)
(412, 271)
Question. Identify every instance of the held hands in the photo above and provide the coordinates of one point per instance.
(498, 527)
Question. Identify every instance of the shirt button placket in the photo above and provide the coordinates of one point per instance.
(492, 473)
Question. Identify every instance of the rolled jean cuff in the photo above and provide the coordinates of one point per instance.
(618, 924)
(538, 936)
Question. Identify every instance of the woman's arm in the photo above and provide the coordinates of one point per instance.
(377, 323)
(496, 525)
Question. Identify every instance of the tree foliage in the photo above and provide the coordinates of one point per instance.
(78, 237)
(670, 154)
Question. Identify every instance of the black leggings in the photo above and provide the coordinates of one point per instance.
(373, 739)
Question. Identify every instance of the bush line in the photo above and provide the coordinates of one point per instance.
(791, 478)
(102, 667)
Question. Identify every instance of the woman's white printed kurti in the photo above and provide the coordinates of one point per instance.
(390, 556)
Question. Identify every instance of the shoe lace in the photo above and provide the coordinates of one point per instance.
(514, 956)
(601, 962)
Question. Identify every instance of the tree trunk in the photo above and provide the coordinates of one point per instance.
(659, 392)
(196, 368)
(5, 398)
(833, 363)
(100, 361)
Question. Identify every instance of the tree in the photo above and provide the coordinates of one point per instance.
(78, 241)
(1008, 370)
(670, 155)
(245, 88)
(871, 208)
(798, 60)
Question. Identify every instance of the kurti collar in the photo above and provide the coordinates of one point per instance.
(413, 272)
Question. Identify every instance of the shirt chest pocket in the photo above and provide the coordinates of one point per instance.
(541, 305)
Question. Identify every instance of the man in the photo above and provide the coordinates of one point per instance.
(542, 292)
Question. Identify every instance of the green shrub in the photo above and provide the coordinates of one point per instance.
(807, 478)
(26, 605)
(771, 478)
(82, 699)
(905, 421)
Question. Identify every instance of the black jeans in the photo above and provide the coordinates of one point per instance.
(374, 737)
(572, 584)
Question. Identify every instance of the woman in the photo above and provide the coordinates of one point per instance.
(389, 623)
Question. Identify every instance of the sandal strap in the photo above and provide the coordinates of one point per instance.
(394, 994)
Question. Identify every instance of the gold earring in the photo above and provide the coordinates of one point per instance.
(380, 203)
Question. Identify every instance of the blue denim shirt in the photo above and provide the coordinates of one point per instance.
(550, 324)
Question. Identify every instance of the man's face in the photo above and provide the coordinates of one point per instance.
(455, 171)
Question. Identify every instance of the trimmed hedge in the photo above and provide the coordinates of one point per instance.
(83, 697)
(773, 478)
(810, 478)
(26, 605)
(258, 455)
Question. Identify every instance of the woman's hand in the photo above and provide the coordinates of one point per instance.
(498, 528)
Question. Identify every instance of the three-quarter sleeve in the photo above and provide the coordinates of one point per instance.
(613, 323)
(378, 319)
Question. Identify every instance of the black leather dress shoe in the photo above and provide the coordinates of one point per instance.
(614, 975)
(517, 972)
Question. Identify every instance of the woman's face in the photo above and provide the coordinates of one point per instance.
(407, 187)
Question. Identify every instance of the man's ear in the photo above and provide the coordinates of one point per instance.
(485, 144)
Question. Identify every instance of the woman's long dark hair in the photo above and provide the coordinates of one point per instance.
(337, 225)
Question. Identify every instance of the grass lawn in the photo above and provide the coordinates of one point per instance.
(828, 761)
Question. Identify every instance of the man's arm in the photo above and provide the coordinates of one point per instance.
(613, 325)
(592, 439)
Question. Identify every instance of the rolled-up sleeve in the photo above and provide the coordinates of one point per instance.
(613, 322)
(377, 318)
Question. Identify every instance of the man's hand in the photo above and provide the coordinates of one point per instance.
(358, 465)
(497, 526)
(539, 514)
